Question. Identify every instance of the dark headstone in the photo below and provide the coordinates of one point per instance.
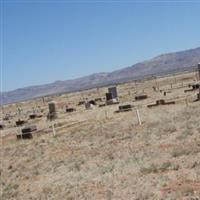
(70, 109)
(160, 102)
(32, 116)
(141, 97)
(52, 110)
(29, 128)
(20, 122)
(25, 136)
(26, 132)
(199, 70)
(98, 99)
(81, 103)
(125, 107)
(2, 126)
(109, 96)
(113, 90)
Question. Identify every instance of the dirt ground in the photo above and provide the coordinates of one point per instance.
(98, 154)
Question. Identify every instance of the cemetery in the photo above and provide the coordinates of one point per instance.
(153, 139)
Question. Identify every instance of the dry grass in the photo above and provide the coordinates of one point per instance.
(94, 157)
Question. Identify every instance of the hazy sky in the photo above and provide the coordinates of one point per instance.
(44, 41)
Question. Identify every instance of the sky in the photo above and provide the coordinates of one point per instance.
(43, 41)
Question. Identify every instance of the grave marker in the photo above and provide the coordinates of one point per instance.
(138, 117)
(124, 108)
(198, 95)
(160, 102)
(52, 115)
(113, 91)
(141, 97)
(2, 126)
(20, 122)
(52, 110)
(26, 132)
(109, 96)
(70, 109)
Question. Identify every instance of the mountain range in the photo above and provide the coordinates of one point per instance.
(160, 65)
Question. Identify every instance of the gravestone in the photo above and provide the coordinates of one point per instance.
(26, 132)
(20, 122)
(113, 91)
(198, 95)
(141, 97)
(52, 110)
(109, 96)
(199, 70)
(126, 107)
(32, 116)
(70, 109)
(2, 126)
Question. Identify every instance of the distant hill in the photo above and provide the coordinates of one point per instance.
(163, 64)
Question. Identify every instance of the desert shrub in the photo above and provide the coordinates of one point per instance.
(156, 168)
(184, 151)
(10, 191)
(165, 166)
(151, 169)
(180, 152)
(184, 134)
